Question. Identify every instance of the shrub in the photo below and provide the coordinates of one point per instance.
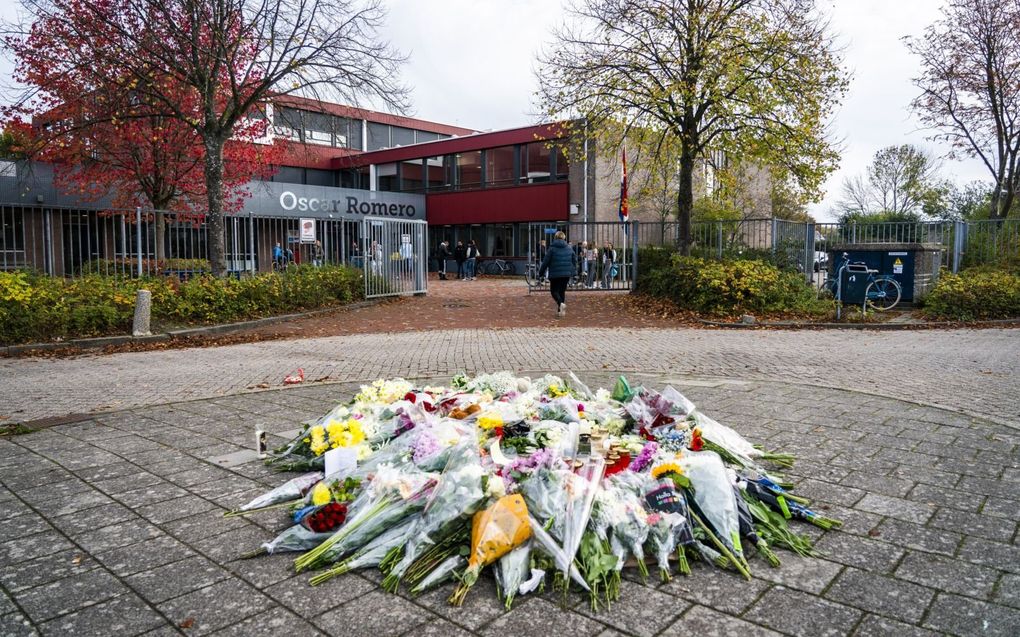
(35, 307)
(974, 295)
(729, 287)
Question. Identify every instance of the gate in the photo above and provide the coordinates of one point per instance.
(394, 256)
(591, 242)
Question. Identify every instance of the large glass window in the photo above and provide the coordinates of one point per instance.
(425, 136)
(499, 166)
(354, 134)
(469, 169)
(436, 171)
(287, 122)
(535, 163)
(501, 240)
(290, 175)
(378, 136)
(386, 176)
(318, 128)
(562, 165)
(401, 136)
(315, 177)
(411, 178)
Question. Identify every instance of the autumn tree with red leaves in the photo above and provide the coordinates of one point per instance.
(196, 70)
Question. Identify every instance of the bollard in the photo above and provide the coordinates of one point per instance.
(143, 312)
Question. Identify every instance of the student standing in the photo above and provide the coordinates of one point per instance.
(561, 264)
(591, 258)
(442, 257)
(472, 259)
(460, 254)
(608, 263)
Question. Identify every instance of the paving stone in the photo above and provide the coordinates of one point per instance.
(176, 509)
(706, 622)
(16, 625)
(885, 485)
(985, 526)
(896, 508)
(276, 622)
(298, 595)
(808, 574)
(860, 552)
(376, 613)
(144, 556)
(264, 571)
(118, 535)
(922, 538)
(235, 602)
(881, 595)
(643, 613)
(90, 520)
(965, 616)
(801, 614)
(42, 570)
(443, 628)
(1008, 591)
(718, 589)
(232, 544)
(6, 604)
(19, 526)
(125, 615)
(1002, 507)
(175, 579)
(993, 554)
(948, 574)
(204, 525)
(130, 482)
(69, 594)
(151, 494)
(875, 626)
(536, 616)
(32, 546)
(107, 472)
(480, 607)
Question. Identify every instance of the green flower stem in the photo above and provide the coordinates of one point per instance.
(722, 548)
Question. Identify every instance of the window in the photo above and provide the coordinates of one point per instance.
(425, 136)
(386, 177)
(354, 134)
(287, 122)
(502, 239)
(437, 171)
(290, 175)
(318, 128)
(411, 176)
(315, 177)
(401, 136)
(499, 166)
(535, 163)
(562, 165)
(469, 169)
(378, 136)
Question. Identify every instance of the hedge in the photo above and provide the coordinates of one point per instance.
(726, 288)
(977, 294)
(35, 307)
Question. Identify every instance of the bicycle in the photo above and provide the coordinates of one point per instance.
(531, 276)
(495, 267)
(883, 291)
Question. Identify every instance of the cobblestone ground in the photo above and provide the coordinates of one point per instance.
(113, 525)
(977, 371)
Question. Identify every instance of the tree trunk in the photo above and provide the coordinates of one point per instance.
(685, 201)
(214, 195)
(160, 237)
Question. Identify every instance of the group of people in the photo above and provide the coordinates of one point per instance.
(562, 262)
(284, 257)
(466, 257)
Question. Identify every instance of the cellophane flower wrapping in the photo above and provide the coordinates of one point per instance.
(713, 493)
(511, 571)
(291, 490)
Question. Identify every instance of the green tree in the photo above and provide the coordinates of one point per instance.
(970, 88)
(901, 180)
(753, 78)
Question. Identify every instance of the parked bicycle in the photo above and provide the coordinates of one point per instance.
(495, 267)
(883, 291)
(531, 276)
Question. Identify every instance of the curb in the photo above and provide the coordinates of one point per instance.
(863, 326)
(171, 335)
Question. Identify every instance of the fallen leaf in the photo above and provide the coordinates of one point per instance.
(263, 385)
(874, 533)
(76, 560)
(187, 623)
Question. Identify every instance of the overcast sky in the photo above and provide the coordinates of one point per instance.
(472, 64)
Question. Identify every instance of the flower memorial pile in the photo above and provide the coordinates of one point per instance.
(538, 480)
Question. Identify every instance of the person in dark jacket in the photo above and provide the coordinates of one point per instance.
(460, 254)
(442, 257)
(561, 264)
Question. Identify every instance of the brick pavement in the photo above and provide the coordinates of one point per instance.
(114, 525)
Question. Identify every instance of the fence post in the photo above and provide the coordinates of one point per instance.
(809, 251)
(251, 241)
(138, 236)
(719, 249)
(775, 225)
(634, 254)
(959, 236)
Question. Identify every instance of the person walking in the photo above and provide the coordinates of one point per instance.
(317, 253)
(608, 264)
(561, 264)
(460, 254)
(472, 259)
(443, 254)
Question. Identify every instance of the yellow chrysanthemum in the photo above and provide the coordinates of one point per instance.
(345, 433)
(318, 444)
(490, 420)
(321, 494)
(556, 391)
(664, 468)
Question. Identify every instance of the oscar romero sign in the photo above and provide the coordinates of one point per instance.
(282, 199)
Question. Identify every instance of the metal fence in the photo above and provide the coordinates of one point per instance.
(394, 256)
(606, 252)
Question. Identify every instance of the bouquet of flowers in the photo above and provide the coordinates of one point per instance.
(529, 477)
